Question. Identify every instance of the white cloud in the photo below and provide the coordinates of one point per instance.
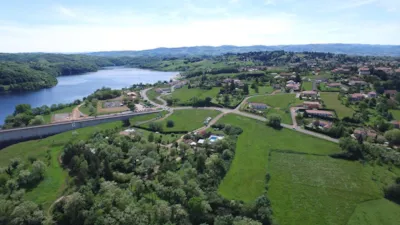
(356, 3)
(66, 11)
(269, 2)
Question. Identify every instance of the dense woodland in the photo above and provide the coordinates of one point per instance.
(119, 180)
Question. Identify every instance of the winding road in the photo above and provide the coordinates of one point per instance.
(237, 111)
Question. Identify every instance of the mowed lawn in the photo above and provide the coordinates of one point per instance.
(376, 212)
(261, 90)
(186, 120)
(280, 104)
(277, 101)
(307, 86)
(331, 101)
(54, 183)
(152, 95)
(47, 118)
(246, 177)
(309, 189)
(395, 113)
(185, 94)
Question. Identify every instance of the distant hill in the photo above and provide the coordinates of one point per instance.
(350, 49)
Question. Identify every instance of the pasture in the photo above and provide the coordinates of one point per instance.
(246, 177)
(331, 101)
(185, 95)
(186, 120)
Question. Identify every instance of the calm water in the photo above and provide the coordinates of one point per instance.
(70, 88)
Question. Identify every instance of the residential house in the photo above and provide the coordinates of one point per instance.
(235, 81)
(364, 71)
(334, 85)
(311, 94)
(258, 106)
(294, 87)
(276, 86)
(372, 94)
(341, 71)
(397, 72)
(364, 133)
(288, 75)
(311, 105)
(357, 83)
(386, 70)
(322, 124)
(163, 90)
(396, 124)
(391, 93)
(321, 113)
(356, 97)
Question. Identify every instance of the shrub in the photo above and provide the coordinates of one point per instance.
(170, 123)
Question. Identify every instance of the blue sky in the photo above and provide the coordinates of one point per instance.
(79, 26)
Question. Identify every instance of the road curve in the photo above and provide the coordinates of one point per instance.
(238, 112)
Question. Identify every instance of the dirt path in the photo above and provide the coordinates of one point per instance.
(76, 113)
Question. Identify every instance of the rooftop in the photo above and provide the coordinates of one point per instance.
(319, 112)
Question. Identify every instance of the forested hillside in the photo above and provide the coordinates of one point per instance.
(33, 71)
(351, 49)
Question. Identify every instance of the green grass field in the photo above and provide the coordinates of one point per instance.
(152, 95)
(331, 101)
(309, 189)
(280, 104)
(246, 177)
(307, 86)
(395, 113)
(184, 94)
(84, 110)
(47, 118)
(187, 120)
(324, 87)
(277, 101)
(55, 179)
(261, 90)
(376, 212)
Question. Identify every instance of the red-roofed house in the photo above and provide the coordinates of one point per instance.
(396, 124)
(391, 93)
(334, 85)
(321, 113)
(364, 71)
(258, 106)
(341, 71)
(322, 124)
(387, 70)
(364, 133)
(309, 94)
(357, 97)
(372, 94)
(311, 105)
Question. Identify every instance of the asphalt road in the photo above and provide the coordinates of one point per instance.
(238, 112)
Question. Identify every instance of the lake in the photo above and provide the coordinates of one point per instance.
(70, 88)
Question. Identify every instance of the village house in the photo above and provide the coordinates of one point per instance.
(386, 70)
(334, 85)
(372, 94)
(364, 133)
(391, 93)
(356, 97)
(396, 124)
(321, 113)
(322, 124)
(310, 94)
(341, 71)
(311, 105)
(235, 81)
(357, 83)
(163, 90)
(288, 75)
(258, 106)
(364, 71)
(276, 86)
(294, 87)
